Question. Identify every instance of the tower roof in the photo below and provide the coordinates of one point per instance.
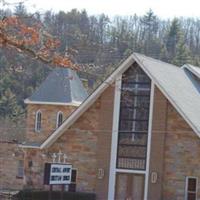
(61, 87)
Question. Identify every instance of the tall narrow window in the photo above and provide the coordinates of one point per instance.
(191, 188)
(59, 119)
(38, 121)
(20, 170)
(133, 121)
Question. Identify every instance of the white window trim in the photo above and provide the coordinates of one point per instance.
(57, 118)
(186, 186)
(146, 186)
(113, 155)
(36, 121)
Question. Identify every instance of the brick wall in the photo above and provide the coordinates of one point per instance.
(175, 150)
(87, 144)
(157, 144)
(49, 117)
(182, 150)
(10, 155)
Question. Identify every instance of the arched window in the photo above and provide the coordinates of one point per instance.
(59, 119)
(38, 121)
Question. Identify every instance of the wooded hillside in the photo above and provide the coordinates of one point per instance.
(96, 41)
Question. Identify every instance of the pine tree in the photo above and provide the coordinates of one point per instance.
(149, 23)
(8, 105)
(183, 54)
(173, 37)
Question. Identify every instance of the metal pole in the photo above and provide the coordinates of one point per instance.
(62, 192)
(50, 191)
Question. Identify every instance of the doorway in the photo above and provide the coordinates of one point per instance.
(129, 186)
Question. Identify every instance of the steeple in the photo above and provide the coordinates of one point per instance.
(61, 87)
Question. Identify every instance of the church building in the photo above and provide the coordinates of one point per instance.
(135, 137)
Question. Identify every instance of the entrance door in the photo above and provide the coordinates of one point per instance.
(129, 186)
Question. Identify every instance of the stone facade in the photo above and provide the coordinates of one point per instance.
(10, 156)
(174, 150)
(49, 118)
(181, 153)
(157, 144)
(10, 152)
(87, 144)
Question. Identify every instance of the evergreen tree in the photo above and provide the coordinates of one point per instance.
(20, 10)
(8, 105)
(183, 54)
(149, 23)
(173, 37)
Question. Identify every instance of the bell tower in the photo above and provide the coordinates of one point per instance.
(55, 99)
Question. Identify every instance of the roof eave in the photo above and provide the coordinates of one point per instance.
(73, 103)
(24, 146)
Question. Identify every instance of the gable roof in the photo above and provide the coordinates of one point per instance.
(61, 87)
(176, 83)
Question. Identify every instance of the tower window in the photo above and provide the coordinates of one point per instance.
(38, 121)
(59, 119)
(20, 170)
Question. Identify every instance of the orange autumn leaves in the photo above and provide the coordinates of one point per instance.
(33, 41)
(13, 31)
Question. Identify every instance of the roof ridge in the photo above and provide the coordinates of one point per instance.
(156, 60)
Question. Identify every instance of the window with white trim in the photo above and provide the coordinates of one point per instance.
(59, 120)
(133, 119)
(191, 188)
(38, 121)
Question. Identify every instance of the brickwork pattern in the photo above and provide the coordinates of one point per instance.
(10, 155)
(175, 150)
(87, 144)
(49, 118)
(182, 150)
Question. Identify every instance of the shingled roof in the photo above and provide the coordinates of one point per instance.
(61, 87)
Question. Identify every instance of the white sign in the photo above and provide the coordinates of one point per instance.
(60, 174)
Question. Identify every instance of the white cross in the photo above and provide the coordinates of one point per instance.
(64, 158)
(54, 157)
(59, 156)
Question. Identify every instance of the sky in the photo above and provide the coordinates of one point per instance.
(162, 8)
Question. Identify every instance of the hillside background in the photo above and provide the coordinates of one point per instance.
(97, 42)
